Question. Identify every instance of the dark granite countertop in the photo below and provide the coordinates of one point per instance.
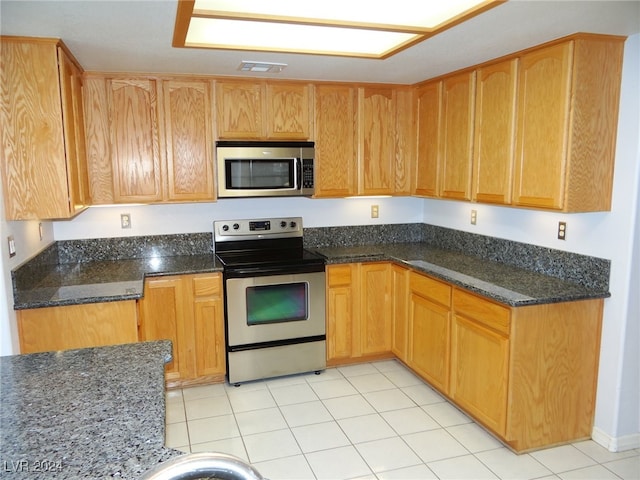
(89, 413)
(100, 281)
(504, 283)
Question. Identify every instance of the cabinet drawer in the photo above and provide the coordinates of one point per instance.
(207, 285)
(430, 288)
(484, 311)
(339, 275)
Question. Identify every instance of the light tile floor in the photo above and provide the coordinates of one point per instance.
(367, 421)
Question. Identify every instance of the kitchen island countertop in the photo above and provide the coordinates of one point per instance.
(89, 413)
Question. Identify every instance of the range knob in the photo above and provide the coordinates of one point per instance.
(236, 226)
(293, 224)
(283, 224)
(225, 228)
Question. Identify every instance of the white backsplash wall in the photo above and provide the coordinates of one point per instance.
(104, 222)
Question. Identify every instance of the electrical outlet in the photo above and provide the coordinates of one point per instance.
(375, 211)
(474, 217)
(12, 246)
(562, 230)
(125, 220)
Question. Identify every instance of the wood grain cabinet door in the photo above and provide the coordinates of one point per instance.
(400, 310)
(341, 296)
(189, 140)
(287, 115)
(375, 308)
(494, 133)
(335, 141)
(376, 138)
(208, 324)
(543, 116)
(456, 146)
(429, 113)
(135, 140)
(240, 107)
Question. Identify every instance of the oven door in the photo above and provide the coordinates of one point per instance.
(275, 309)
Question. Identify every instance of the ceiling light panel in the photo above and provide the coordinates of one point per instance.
(284, 37)
(404, 15)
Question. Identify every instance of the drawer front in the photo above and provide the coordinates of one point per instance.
(481, 310)
(430, 288)
(338, 275)
(209, 285)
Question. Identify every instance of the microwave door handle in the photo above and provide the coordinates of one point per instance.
(297, 173)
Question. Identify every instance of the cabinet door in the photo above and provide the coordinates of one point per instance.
(340, 311)
(288, 111)
(240, 110)
(543, 115)
(430, 329)
(208, 324)
(405, 141)
(375, 308)
(162, 312)
(77, 326)
(189, 140)
(33, 145)
(399, 311)
(134, 137)
(376, 137)
(428, 161)
(74, 135)
(494, 132)
(335, 145)
(480, 372)
(456, 146)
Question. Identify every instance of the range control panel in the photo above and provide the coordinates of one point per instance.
(249, 229)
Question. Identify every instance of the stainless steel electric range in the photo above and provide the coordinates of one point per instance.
(274, 298)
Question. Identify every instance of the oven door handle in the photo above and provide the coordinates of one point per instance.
(244, 272)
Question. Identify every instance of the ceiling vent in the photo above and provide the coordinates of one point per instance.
(261, 67)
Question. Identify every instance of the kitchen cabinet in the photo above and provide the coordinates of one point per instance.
(77, 326)
(480, 358)
(568, 97)
(429, 113)
(188, 310)
(456, 130)
(335, 140)
(189, 140)
(494, 132)
(430, 329)
(359, 322)
(399, 311)
(41, 115)
(259, 110)
(149, 140)
(405, 141)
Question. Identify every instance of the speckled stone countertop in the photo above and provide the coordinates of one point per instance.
(102, 270)
(89, 413)
(504, 283)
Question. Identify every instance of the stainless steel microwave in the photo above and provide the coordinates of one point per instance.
(265, 169)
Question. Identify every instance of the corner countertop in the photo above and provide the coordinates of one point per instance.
(498, 281)
(101, 281)
(89, 413)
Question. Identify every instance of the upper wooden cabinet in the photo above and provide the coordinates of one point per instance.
(568, 97)
(494, 132)
(41, 119)
(189, 140)
(335, 140)
(259, 110)
(429, 98)
(456, 145)
(149, 140)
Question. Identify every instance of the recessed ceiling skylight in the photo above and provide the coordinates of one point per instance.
(357, 28)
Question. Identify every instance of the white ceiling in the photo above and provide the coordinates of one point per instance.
(135, 36)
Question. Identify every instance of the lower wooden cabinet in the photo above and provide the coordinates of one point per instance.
(188, 310)
(359, 322)
(77, 326)
(430, 329)
(400, 311)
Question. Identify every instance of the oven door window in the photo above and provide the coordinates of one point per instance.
(287, 302)
(260, 174)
